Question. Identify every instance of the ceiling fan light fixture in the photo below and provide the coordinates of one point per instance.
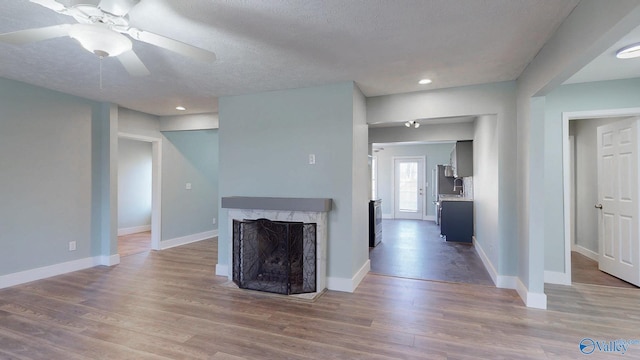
(629, 52)
(100, 40)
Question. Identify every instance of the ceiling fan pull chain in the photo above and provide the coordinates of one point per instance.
(100, 72)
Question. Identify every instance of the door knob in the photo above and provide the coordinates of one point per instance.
(598, 206)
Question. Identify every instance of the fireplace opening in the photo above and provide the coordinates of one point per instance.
(274, 256)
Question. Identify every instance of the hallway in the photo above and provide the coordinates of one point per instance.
(413, 249)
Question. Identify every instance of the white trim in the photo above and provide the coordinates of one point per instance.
(156, 184)
(44, 272)
(222, 270)
(586, 252)
(349, 285)
(429, 218)
(485, 260)
(557, 277)
(501, 281)
(532, 300)
(566, 171)
(387, 216)
(133, 230)
(107, 260)
(183, 240)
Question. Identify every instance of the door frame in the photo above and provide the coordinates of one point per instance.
(565, 278)
(393, 182)
(156, 185)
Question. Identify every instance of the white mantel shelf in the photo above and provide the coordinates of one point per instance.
(277, 203)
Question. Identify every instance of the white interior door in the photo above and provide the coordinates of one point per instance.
(409, 187)
(618, 195)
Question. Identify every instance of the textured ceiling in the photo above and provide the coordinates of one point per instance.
(608, 67)
(383, 45)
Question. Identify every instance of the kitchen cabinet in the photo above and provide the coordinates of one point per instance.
(462, 158)
(456, 220)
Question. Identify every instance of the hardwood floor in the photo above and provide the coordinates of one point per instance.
(134, 243)
(414, 249)
(585, 271)
(169, 305)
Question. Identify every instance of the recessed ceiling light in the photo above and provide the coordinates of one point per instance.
(181, 108)
(628, 52)
(424, 81)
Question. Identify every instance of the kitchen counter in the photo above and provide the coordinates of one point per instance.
(445, 197)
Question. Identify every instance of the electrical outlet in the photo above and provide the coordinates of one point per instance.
(214, 221)
(187, 186)
(312, 159)
(72, 246)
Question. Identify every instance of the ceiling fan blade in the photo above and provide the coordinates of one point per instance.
(133, 64)
(172, 45)
(117, 7)
(50, 4)
(37, 34)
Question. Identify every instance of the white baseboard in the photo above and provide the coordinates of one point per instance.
(532, 300)
(387, 216)
(349, 285)
(44, 272)
(485, 260)
(429, 218)
(134, 230)
(222, 270)
(183, 240)
(556, 277)
(107, 260)
(586, 252)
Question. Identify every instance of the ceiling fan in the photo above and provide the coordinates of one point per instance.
(101, 29)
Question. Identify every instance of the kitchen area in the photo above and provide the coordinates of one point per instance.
(453, 184)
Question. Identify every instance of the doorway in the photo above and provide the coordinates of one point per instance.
(582, 248)
(146, 239)
(408, 187)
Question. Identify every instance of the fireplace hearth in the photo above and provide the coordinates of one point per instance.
(274, 256)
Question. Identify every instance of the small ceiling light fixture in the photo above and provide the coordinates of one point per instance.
(100, 40)
(424, 81)
(629, 52)
(411, 123)
(181, 108)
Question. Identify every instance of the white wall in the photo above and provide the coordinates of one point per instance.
(485, 183)
(134, 186)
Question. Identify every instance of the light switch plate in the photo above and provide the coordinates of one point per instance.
(312, 159)
(187, 186)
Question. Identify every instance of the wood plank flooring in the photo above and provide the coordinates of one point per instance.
(414, 249)
(134, 243)
(585, 271)
(169, 305)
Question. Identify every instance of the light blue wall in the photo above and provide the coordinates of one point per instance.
(265, 141)
(45, 177)
(189, 157)
(435, 154)
(571, 98)
(134, 183)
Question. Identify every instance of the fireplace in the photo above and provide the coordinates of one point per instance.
(281, 210)
(274, 256)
